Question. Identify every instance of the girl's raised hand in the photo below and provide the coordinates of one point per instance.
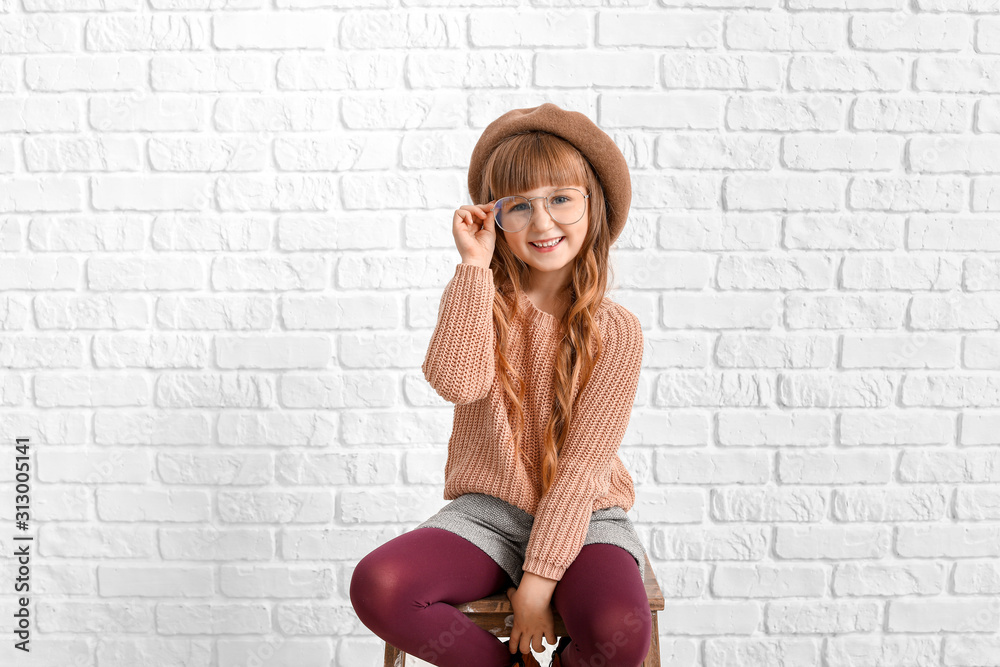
(475, 233)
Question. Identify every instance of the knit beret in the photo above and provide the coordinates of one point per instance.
(600, 149)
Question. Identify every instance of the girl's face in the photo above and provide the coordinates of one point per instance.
(542, 228)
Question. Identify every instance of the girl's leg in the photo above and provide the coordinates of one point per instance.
(403, 592)
(602, 601)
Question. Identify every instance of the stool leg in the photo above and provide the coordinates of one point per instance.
(653, 657)
(393, 656)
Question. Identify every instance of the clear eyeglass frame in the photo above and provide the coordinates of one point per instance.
(532, 208)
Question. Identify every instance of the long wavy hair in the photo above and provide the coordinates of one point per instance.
(522, 162)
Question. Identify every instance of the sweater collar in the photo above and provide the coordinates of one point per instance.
(539, 317)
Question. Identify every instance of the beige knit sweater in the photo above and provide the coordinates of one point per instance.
(460, 366)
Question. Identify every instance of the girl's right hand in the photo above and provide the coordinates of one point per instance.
(475, 233)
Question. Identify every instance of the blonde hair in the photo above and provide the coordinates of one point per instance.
(523, 162)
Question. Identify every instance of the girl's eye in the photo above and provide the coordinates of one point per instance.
(562, 197)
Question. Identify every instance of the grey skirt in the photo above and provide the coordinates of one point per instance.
(502, 530)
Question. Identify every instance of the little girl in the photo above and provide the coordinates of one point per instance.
(542, 368)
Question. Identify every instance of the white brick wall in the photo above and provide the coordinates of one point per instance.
(224, 231)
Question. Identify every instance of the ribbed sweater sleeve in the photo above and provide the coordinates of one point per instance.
(601, 414)
(460, 363)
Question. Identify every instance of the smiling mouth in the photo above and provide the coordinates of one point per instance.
(548, 244)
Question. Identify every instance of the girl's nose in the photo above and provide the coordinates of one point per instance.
(540, 214)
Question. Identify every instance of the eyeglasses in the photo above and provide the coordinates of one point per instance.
(565, 205)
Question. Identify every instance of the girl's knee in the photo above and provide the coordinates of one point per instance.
(360, 590)
(373, 587)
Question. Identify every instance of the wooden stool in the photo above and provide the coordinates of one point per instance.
(491, 612)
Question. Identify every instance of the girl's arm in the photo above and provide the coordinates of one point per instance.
(459, 364)
(601, 414)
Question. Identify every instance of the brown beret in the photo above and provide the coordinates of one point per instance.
(604, 155)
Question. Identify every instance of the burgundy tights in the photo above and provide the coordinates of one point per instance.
(404, 590)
